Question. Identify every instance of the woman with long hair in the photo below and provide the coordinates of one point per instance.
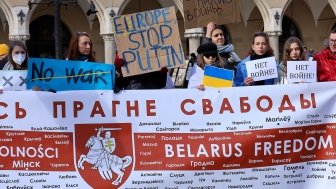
(18, 56)
(260, 49)
(293, 51)
(80, 48)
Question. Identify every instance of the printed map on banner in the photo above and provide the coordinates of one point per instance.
(264, 137)
(13, 80)
(148, 41)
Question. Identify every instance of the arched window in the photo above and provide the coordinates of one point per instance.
(42, 42)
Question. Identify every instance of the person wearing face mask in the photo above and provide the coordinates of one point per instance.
(293, 51)
(80, 48)
(3, 55)
(18, 56)
(215, 34)
(260, 49)
(208, 55)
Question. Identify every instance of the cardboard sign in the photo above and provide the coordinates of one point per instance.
(301, 71)
(63, 75)
(13, 80)
(148, 41)
(217, 77)
(262, 69)
(200, 13)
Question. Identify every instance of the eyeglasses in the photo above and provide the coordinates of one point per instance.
(212, 55)
(218, 34)
(332, 41)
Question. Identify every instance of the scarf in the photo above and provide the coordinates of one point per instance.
(229, 50)
(256, 57)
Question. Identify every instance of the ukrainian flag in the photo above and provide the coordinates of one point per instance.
(217, 77)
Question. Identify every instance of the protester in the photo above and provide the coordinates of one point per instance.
(18, 56)
(3, 55)
(260, 49)
(216, 35)
(193, 58)
(293, 51)
(153, 80)
(326, 60)
(81, 48)
(208, 55)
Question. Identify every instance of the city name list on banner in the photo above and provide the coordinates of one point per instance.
(148, 41)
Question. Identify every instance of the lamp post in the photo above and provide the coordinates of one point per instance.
(57, 22)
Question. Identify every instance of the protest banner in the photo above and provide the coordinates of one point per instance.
(301, 71)
(262, 69)
(62, 75)
(13, 80)
(265, 137)
(148, 41)
(200, 13)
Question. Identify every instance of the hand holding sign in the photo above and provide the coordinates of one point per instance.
(262, 69)
(148, 41)
(61, 75)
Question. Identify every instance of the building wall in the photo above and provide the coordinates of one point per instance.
(314, 19)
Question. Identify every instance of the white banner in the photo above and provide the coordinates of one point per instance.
(265, 137)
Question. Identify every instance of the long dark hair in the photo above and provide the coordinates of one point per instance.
(24, 64)
(286, 51)
(73, 52)
(269, 51)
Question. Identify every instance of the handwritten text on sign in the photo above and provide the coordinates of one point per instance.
(200, 13)
(148, 41)
(62, 75)
(262, 69)
(301, 71)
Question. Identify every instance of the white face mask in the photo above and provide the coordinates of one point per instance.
(19, 58)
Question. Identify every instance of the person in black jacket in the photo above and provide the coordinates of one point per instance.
(152, 80)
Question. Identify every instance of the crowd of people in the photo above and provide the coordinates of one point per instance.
(225, 57)
(215, 50)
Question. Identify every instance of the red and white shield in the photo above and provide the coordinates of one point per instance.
(96, 153)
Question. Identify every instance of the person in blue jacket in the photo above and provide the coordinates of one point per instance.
(260, 49)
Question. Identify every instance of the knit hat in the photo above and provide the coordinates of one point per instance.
(208, 48)
(3, 49)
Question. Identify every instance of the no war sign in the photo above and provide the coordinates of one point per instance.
(62, 75)
(148, 41)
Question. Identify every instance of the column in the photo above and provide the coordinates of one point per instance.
(109, 48)
(274, 42)
(194, 36)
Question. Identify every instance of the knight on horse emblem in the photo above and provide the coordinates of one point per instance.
(101, 157)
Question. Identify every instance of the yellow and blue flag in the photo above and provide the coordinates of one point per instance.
(217, 77)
